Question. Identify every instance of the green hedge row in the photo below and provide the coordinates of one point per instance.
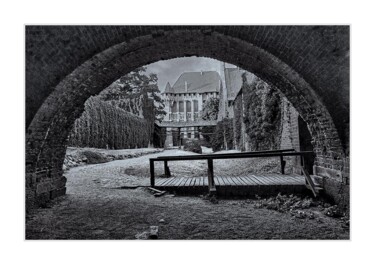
(105, 126)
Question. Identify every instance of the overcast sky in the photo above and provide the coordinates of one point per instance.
(170, 70)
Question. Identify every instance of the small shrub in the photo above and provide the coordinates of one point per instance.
(207, 132)
(223, 135)
(95, 158)
(210, 109)
(193, 146)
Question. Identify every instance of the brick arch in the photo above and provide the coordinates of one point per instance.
(49, 128)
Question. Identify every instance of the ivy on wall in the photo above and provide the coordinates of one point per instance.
(262, 114)
(237, 122)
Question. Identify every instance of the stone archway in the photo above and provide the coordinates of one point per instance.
(48, 130)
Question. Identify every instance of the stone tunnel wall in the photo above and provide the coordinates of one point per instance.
(335, 180)
(65, 65)
(289, 132)
(318, 53)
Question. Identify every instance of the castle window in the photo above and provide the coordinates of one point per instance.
(188, 106)
(181, 106)
(195, 103)
(174, 107)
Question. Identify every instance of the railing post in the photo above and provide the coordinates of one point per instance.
(167, 172)
(303, 161)
(282, 164)
(210, 174)
(152, 173)
(308, 178)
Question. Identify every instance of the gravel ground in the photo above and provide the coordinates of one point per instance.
(94, 209)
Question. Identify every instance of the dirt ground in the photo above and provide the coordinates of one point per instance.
(79, 156)
(94, 208)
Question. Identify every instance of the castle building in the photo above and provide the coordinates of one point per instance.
(184, 102)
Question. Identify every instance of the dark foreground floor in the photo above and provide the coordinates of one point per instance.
(93, 209)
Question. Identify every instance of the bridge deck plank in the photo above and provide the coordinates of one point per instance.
(250, 180)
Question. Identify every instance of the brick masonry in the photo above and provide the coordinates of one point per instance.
(289, 135)
(67, 64)
(289, 132)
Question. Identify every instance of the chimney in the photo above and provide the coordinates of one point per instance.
(185, 86)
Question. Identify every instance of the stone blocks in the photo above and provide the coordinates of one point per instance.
(65, 65)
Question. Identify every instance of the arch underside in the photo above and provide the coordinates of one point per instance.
(48, 131)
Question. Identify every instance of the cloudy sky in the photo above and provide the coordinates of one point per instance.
(170, 70)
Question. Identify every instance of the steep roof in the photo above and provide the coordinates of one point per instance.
(233, 79)
(196, 82)
(168, 88)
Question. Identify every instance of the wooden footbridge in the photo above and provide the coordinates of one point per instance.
(260, 184)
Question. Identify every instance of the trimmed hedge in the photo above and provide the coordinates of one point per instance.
(102, 125)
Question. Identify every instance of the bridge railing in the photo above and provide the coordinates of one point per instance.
(210, 157)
